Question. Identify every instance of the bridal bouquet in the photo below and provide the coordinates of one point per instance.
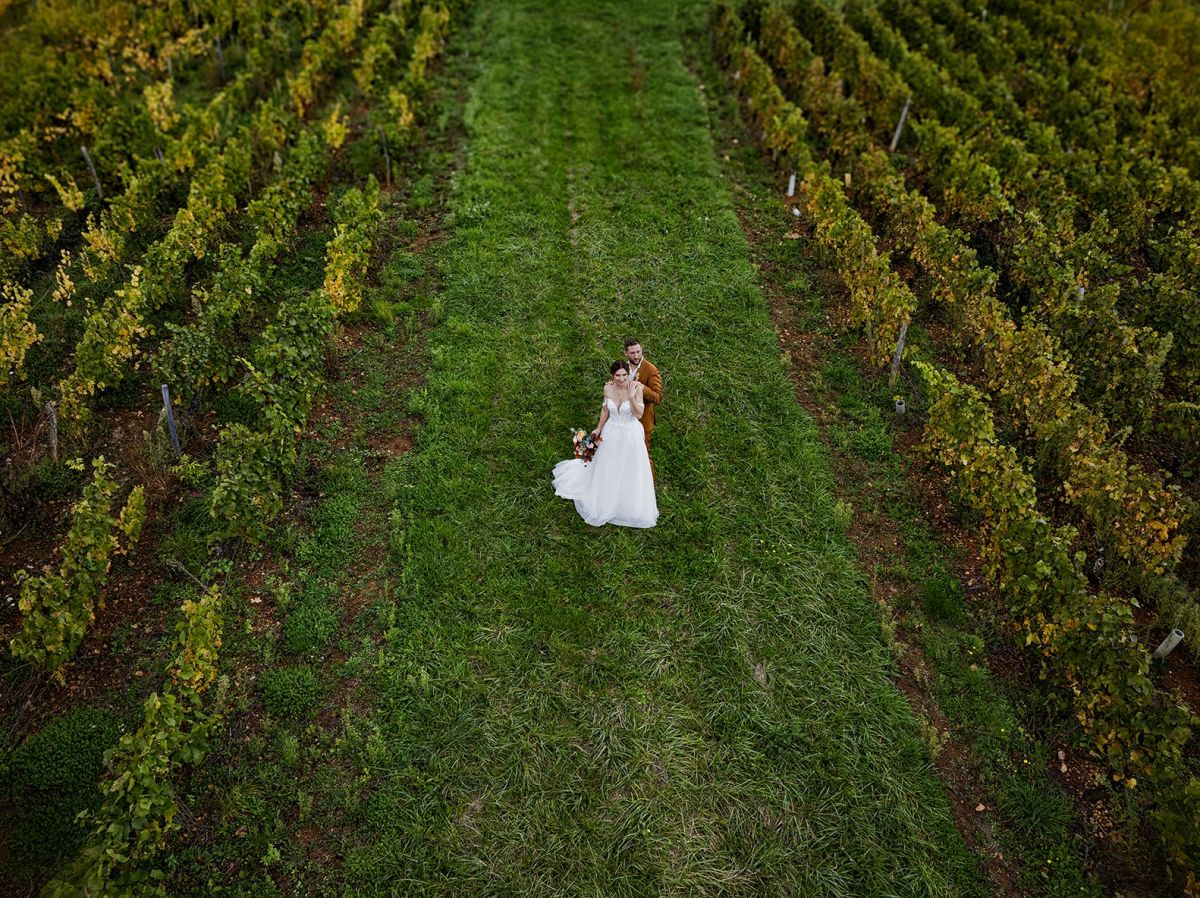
(584, 443)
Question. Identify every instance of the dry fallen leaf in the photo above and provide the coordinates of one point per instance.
(981, 807)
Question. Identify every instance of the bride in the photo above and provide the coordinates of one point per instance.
(616, 486)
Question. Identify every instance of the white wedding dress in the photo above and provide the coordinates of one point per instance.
(616, 486)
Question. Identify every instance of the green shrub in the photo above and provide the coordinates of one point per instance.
(843, 516)
(54, 480)
(263, 886)
(943, 598)
(287, 748)
(51, 777)
(309, 626)
(289, 691)
(872, 441)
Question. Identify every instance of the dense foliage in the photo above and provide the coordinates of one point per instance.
(152, 189)
(951, 226)
(51, 777)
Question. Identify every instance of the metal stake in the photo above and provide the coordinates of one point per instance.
(52, 426)
(220, 58)
(900, 126)
(87, 157)
(896, 358)
(166, 395)
(386, 155)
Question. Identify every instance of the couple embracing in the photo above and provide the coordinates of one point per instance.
(616, 486)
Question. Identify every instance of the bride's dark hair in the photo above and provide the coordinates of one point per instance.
(619, 363)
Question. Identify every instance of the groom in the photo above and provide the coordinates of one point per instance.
(647, 375)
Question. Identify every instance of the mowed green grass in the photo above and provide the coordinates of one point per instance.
(530, 706)
(704, 708)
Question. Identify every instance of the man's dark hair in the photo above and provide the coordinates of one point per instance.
(632, 341)
(618, 365)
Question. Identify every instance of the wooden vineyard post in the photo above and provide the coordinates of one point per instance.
(220, 59)
(900, 126)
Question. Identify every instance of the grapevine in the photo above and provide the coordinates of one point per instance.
(137, 814)
(58, 605)
(1084, 639)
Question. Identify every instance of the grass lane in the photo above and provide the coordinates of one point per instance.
(704, 708)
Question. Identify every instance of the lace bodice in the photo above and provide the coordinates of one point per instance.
(624, 411)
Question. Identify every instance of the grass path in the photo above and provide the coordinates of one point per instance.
(703, 708)
(530, 706)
